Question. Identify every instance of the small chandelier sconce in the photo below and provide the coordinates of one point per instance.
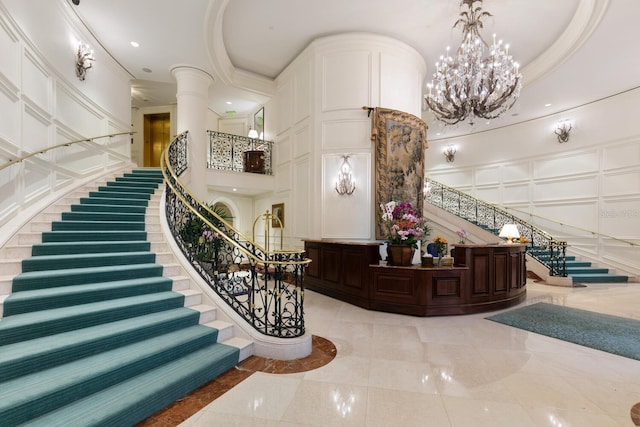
(450, 153)
(84, 60)
(345, 185)
(562, 130)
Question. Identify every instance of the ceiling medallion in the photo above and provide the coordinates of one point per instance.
(469, 84)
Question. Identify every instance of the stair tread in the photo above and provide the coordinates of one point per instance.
(137, 398)
(60, 262)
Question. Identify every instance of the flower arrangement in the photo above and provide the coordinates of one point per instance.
(404, 226)
(441, 245)
(462, 234)
(209, 241)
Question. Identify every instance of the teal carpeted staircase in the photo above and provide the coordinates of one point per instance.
(584, 272)
(92, 332)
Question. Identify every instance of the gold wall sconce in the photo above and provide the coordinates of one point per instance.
(345, 184)
(450, 153)
(84, 60)
(562, 131)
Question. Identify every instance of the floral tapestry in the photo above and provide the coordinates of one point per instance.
(400, 142)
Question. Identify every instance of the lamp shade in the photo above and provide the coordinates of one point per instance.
(253, 133)
(509, 232)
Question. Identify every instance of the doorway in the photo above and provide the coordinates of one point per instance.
(157, 129)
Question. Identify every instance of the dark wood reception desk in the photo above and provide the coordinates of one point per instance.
(483, 278)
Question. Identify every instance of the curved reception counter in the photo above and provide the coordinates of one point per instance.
(482, 278)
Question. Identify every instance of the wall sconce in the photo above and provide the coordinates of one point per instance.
(345, 183)
(509, 232)
(450, 153)
(562, 130)
(84, 60)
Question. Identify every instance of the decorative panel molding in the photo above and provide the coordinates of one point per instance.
(488, 194)
(346, 80)
(283, 104)
(399, 75)
(36, 83)
(301, 142)
(620, 184)
(515, 172)
(74, 113)
(282, 151)
(566, 189)
(283, 177)
(10, 123)
(621, 155)
(303, 211)
(302, 94)
(578, 214)
(514, 194)
(457, 178)
(10, 48)
(620, 217)
(570, 164)
(346, 134)
(488, 175)
(35, 131)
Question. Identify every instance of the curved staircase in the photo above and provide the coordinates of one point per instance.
(96, 330)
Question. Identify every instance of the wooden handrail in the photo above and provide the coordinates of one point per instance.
(65, 144)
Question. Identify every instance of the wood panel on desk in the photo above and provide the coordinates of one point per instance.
(341, 269)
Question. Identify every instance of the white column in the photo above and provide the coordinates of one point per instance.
(192, 97)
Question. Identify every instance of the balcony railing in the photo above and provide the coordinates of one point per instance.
(264, 287)
(231, 152)
(542, 246)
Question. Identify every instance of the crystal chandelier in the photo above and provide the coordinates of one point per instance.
(469, 84)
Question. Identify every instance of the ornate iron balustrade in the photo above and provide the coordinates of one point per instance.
(264, 287)
(542, 246)
(226, 151)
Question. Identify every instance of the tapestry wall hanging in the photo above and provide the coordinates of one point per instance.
(400, 142)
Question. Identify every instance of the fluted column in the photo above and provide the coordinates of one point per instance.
(192, 97)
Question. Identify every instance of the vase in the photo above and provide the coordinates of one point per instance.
(400, 255)
(440, 259)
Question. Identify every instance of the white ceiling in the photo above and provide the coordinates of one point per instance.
(572, 51)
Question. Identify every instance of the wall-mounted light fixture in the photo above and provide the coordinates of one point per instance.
(345, 184)
(253, 133)
(84, 60)
(450, 153)
(562, 130)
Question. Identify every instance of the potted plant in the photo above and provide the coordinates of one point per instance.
(404, 229)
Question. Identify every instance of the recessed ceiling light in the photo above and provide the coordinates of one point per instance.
(146, 70)
(547, 105)
(235, 189)
(229, 102)
(135, 44)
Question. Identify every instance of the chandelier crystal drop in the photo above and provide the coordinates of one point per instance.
(469, 84)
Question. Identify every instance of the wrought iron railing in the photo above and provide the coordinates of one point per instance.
(264, 287)
(541, 245)
(227, 152)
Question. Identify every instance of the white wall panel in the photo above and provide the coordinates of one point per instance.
(346, 134)
(35, 131)
(488, 194)
(346, 80)
(457, 178)
(302, 94)
(283, 177)
(583, 215)
(284, 101)
(302, 201)
(302, 143)
(569, 164)
(515, 194)
(621, 156)
(10, 48)
(36, 181)
(515, 172)
(574, 189)
(71, 111)
(399, 76)
(346, 217)
(10, 123)
(488, 175)
(623, 183)
(282, 150)
(620, 218)
(36, 83)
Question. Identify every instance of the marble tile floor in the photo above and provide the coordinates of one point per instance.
(453, 371)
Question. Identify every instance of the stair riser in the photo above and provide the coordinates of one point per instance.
(52, 326)
(137, 185)
(42, 263)
(98, 343)
(102, 216)
(113, 201)
(90, 236)
(118, 195)
(126, 189)
(32, 281)
(108, 208)
(89, 248)
(97, 226)
(17, 304)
